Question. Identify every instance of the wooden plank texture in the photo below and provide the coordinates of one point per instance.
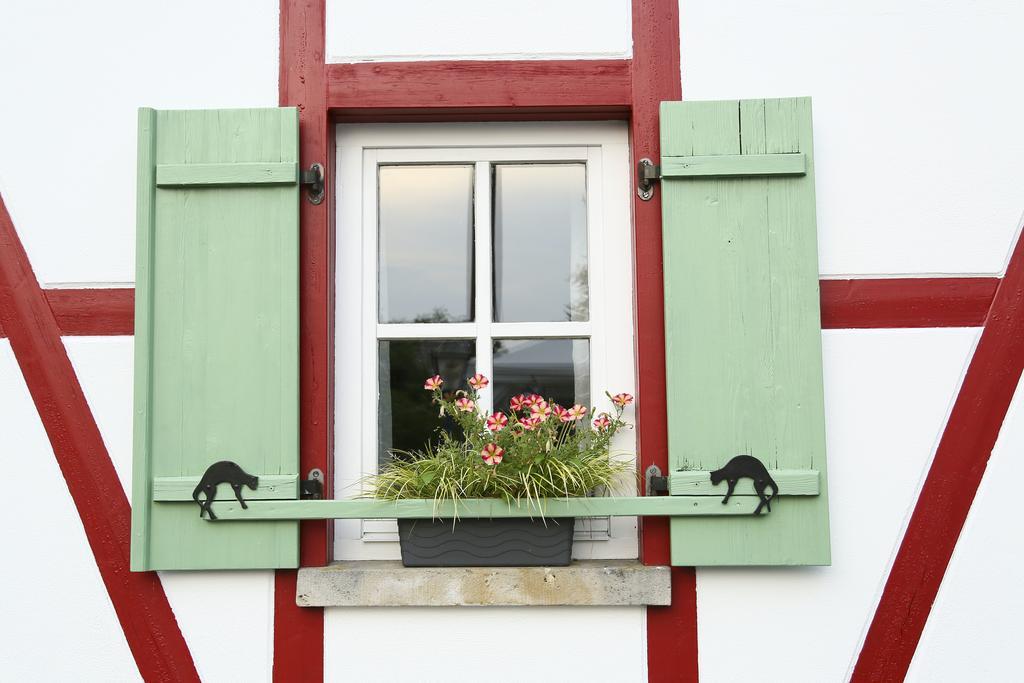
(423, 88)
(733, 165)
(183, 175)
(217, 333)
(743, 333)
(791, 483)
(481, 507)
(271, 487)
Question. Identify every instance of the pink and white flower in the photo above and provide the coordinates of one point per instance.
(622, 400)
(532, 399)
(492, 453)
(559, 412)
(478, 381)
(433, 383)
(540, 410)
(577, 412)
(497, 421)
(530, 423)
(465, 405)
(518, 402)
(602, 422)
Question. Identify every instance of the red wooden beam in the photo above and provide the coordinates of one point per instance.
(299, 632)
(952, 482)
(906, 302)
(495, 90)
(92, 312)
(88, 312)
(845, 304)
(148, 622)
(671, 631)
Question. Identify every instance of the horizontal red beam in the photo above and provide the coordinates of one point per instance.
(845, 304)
(906, 302)
(468, 87)
(92, 312)
(81, 312)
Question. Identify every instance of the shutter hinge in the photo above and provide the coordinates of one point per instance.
(655, 482)
(313, 487)
(646, 174)
(314, 178)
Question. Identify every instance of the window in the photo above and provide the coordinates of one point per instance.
(496, 248)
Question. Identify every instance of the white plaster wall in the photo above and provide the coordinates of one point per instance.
(74, 74)
(500, 644)
(887, 393)
(470, 29)
(974, 632)
(245, 600)
(916, 118)
(56, 621)
(917, 154)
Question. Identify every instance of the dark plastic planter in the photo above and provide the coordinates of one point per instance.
(508, 542)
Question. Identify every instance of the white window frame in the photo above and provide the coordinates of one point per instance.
(361, 148)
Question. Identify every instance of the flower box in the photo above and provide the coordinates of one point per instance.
(508, 542)
(535, 451)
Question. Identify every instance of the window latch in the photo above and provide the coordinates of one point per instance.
(646, 175)
(314, 179)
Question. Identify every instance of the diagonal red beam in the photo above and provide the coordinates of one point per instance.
(146, 617)
(949, 489)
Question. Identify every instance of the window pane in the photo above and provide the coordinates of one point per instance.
(406, 417)
(558, 369)
(425, 249)
(540, 243)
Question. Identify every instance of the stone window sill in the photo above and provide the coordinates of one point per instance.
(389, 584)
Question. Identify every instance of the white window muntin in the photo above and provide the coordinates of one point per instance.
(362, 149)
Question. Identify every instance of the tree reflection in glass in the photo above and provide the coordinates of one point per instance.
(557, 369)
(407, 420)
(540, 243)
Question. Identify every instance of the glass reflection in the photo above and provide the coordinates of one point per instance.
(407, 420)
(540, 243)
(425, 244)
(558, 369)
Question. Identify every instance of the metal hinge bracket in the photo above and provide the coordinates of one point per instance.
(314, 178)
(655, 482)
(313, 487)
(646, 175)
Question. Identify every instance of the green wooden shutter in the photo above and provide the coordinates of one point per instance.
(216, 332)
(742, 323)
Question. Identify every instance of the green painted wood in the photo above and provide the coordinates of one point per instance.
(271, 487)
(181, 175)
(742, 326)
(216, 333)
(791, 483)
(482, 507)
(733, 165)
(142, 490)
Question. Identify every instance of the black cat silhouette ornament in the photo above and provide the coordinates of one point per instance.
(223, 472)
(752, 468)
